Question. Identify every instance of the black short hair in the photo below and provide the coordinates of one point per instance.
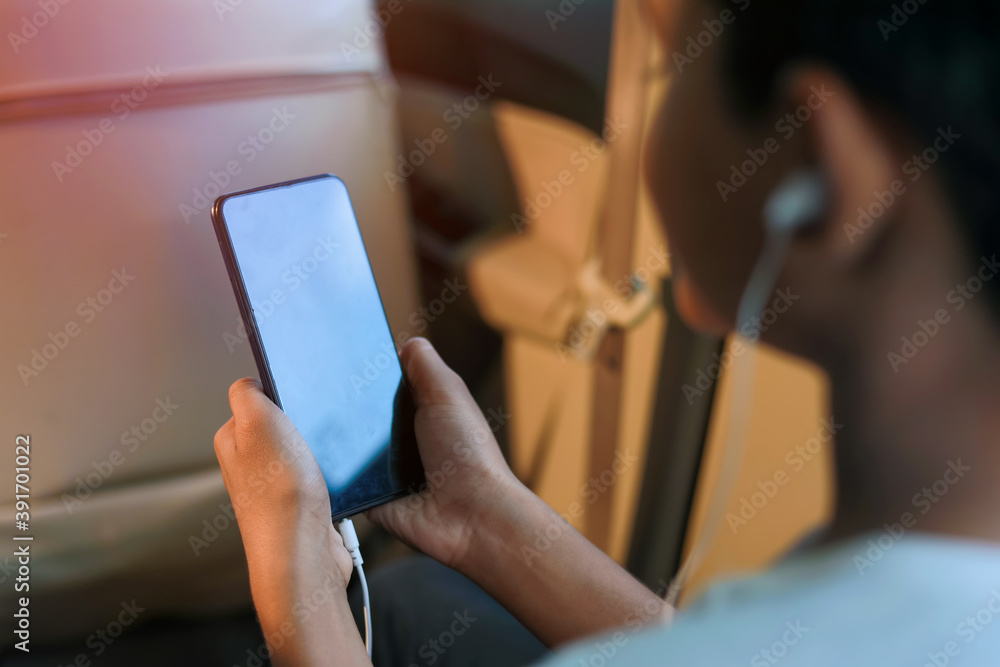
(931, 63)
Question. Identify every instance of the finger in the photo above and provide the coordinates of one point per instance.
(432, 381)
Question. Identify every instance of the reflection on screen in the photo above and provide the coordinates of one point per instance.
(325, 336)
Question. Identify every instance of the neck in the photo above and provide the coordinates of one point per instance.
(917, 448)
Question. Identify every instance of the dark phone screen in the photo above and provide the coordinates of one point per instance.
(325, 337)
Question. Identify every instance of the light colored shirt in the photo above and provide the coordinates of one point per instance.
(883, 599)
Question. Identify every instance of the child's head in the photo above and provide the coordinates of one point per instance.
(896, 103)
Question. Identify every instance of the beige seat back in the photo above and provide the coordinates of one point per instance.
(120, 122)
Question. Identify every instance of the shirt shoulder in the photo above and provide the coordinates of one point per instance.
(877, 600)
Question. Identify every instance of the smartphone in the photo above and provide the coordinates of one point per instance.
(319, 335)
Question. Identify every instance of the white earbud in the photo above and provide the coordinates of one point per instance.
(798, 202)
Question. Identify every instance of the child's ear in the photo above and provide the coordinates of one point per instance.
(851, 148)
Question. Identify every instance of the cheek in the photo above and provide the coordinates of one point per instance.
(695, 309)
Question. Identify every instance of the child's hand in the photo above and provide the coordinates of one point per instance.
(280, 499)
(468, 480)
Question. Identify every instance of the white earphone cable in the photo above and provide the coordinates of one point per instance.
(752, 304)
(798, 202)
(353, 545)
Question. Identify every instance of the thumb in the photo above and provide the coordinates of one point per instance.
(432, 381)
(262, 429)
